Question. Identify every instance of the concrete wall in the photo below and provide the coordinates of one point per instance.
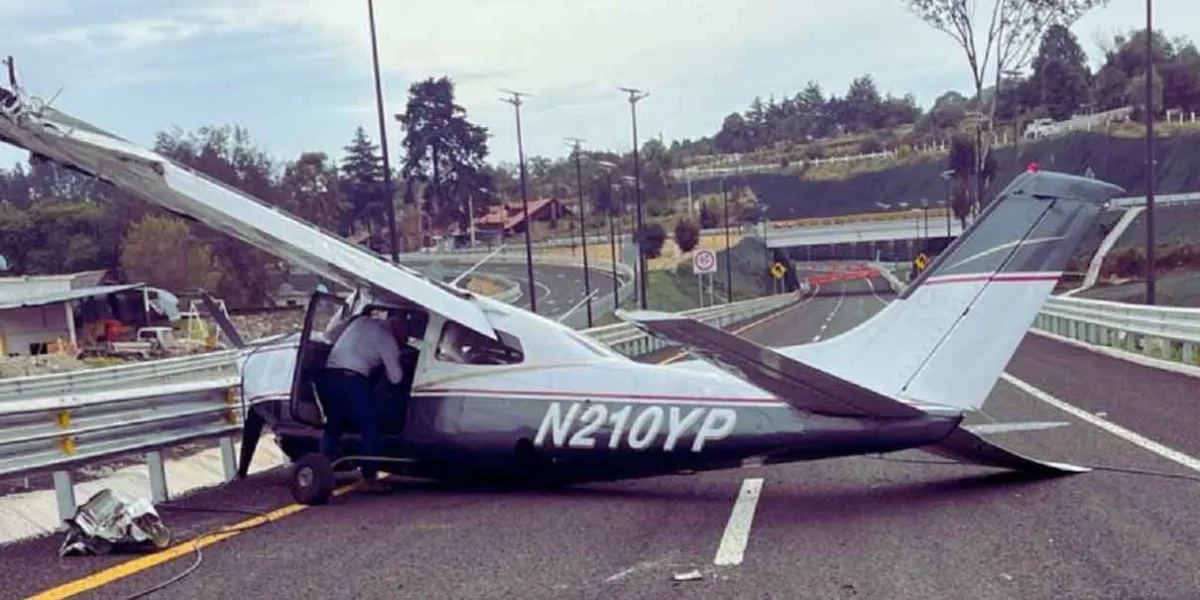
(20, 327)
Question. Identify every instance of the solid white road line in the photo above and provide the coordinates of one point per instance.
(1125, 434)
(737, 530)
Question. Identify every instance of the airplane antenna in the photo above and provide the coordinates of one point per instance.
(476, 265)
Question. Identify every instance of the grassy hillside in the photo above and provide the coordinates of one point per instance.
(1116, 159)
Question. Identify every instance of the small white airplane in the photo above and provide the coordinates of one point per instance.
(496, 391)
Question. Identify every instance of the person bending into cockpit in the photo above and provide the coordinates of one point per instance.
(365, 345)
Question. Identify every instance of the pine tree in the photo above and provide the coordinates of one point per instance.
(362, 183)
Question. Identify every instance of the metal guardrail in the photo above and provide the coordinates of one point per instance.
(627, 339)
(114, 377)
(1165, 332)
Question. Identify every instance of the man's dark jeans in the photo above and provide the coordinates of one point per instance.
(347, 395)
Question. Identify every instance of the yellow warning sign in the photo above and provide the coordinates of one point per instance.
(921, 261)
(777, 270)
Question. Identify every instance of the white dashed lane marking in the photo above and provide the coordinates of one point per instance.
(737, 530)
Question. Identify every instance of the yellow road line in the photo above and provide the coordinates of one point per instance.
(144, 563)
(149, 561)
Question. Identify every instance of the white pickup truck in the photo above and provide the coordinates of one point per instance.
(153, 342)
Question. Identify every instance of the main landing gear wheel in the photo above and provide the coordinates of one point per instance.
(312, 479)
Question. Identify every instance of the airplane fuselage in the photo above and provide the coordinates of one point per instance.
(614, 420)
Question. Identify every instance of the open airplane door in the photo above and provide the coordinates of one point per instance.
(316, 340)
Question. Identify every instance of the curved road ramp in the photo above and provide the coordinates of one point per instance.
(891, 374)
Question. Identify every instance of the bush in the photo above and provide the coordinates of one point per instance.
(687, 235)
(1177, 255)
(651, 238)
(1128, 262)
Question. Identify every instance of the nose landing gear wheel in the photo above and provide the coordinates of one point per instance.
(312, 479)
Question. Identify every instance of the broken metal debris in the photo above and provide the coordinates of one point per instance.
(109, 520)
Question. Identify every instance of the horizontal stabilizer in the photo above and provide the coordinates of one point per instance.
(993, 428)
(798, 384)
(967, 447)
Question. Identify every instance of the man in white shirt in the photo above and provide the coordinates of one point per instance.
(366, 344)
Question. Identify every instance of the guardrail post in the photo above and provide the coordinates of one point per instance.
(64, 495)
(158, 477)
(228, 459)
(1189, 353)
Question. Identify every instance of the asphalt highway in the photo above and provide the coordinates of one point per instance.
(864, 527)
(558, 288)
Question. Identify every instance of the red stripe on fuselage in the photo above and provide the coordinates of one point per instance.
(595, 395)
(1005, 277)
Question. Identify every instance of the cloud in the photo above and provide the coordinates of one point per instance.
(309, 61)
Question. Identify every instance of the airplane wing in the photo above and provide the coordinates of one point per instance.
(798, 384)
(156, 179)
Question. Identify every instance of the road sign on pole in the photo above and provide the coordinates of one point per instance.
(777, 270)
(704, 262)
(921, 262)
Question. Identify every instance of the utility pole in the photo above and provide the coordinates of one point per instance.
(1151, 167)
(515, 100)
(728, 270)
(383, 144)
(587, 284)
(634, 96)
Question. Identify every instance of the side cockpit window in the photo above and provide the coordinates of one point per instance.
(459, 344)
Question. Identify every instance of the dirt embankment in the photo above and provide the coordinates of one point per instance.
(1118, 160)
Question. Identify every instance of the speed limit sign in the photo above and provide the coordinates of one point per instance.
(704, 261)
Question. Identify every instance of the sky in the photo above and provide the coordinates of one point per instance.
(298, 75)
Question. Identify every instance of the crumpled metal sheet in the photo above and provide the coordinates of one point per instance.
(109, 519)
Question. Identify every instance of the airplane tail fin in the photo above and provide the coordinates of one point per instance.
(947, 338)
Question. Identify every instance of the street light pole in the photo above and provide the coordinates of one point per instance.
(383, 144)
(634, 96)
(587, 285)
(728, 270)
(608, 168)
(1150, 166)
(515, 100)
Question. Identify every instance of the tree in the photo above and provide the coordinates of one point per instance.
(1176, 65)
(1015, 27)
(1060, 75)
(443, 146)
(1136, 95)
(650, 239)
(947, 112)
(362, 184)
(687, 235)
(162, 252)
(310, 189)
(226, 154)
